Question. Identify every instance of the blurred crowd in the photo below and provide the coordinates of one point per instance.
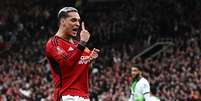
(121, 30)
(174, 75)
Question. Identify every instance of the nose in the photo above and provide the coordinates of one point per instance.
(77, 23)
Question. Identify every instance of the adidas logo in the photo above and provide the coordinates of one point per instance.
(70, 49)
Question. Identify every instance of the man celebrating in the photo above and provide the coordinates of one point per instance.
(69, 59)
(140, 89)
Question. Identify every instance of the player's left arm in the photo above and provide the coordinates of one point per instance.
(147, 96)
(94, 54)
(146, 91)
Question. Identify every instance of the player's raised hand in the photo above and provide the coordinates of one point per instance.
(84, 34)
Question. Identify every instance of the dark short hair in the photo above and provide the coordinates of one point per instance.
(64, 11)
(137, 66)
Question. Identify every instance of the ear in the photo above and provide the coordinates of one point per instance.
(62, 21)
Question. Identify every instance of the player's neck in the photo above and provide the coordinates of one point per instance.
(65, 36)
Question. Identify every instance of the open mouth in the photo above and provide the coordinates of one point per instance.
(75, 30)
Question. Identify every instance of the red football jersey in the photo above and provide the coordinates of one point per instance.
(69, 67)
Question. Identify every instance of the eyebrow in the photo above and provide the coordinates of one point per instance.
(76, 19)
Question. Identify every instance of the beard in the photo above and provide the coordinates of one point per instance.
(137, 76)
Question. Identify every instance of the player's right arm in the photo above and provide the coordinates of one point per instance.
(131, 98)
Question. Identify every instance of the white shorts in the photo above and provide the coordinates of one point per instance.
(73, 98)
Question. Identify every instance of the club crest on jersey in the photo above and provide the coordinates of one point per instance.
(84, 60)
(60, 50)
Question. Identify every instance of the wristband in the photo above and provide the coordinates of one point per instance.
(83, 43)
(81, 47)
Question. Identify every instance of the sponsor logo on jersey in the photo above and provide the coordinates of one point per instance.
(84, 60)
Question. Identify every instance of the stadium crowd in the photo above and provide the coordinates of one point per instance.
(121, 31)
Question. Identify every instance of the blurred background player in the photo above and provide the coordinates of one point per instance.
(69, 58)
(140, 88)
